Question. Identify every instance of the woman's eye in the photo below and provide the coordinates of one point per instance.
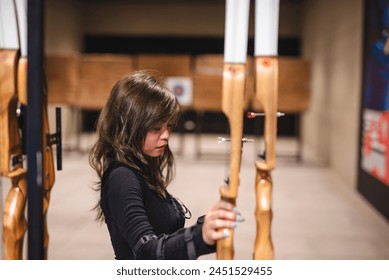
(159, 128)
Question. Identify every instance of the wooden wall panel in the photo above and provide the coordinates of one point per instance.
(63, 77)
(166, 64)
(86, 80)
(294, 86)
(209, 66)
(98, 74)
(207, 92)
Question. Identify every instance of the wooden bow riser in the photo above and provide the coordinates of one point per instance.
(11, 164)
(233, 107)
(14, 220)
(267, 94)
(263, 246)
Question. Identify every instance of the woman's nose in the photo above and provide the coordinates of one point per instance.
(165, 134)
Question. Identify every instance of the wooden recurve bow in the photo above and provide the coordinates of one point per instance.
(266, 66)
(11, 154)
(234, 76)
(13, 217)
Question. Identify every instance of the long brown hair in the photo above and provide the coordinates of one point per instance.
(138, 103)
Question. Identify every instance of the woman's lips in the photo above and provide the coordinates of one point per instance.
(161, 147)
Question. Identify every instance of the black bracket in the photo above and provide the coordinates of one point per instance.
(56, 138)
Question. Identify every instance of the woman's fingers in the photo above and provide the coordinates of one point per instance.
(220, 223)
(220, 234)
(220, 219)
(222, 213)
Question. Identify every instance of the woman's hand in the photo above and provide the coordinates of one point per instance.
(219, 218)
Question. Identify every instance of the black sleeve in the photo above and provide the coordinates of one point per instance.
(186, 243)
(125, 199)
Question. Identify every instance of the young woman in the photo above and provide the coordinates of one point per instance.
(134, 164)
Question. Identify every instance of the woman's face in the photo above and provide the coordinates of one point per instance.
(156, 140)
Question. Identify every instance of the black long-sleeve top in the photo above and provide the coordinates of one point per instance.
(133, 211)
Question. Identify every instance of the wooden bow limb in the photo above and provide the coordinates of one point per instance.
(11, 165)
(232, 106)
(22, 80)
(234, 76)
(267, 94)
